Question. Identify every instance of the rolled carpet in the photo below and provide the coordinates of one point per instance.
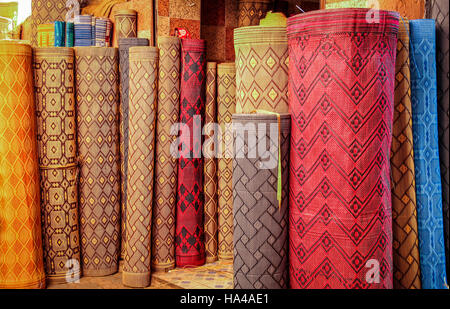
(252, 11)
(189, 233)
(124, 45)
(126, 23)
(261, 69)
(426, 153)
(438, 9)
(98, 149)
(342, 70)
(226, 107)
(260, 213)
(164, 205)
(45, 11)
(45, 35)
(21, 257)
(143, 99)
(60, 32)
(54, 86)
(210, 168)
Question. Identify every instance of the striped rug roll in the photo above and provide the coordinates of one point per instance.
(226, 106)
(261, 69)
(252, 11)
(45, 11)
(126, 23)
(164, 206)
(189, 233)
(21, 262)
(260, 214)
(438, 9)
(97, 99)
(210, 166)
(45, 35)
(404, 210)
(124, 45)
(426, 153)
(142, 107)
(69, 34)
(60, 32)
(57, 150)
(83, 30)
(342, 70)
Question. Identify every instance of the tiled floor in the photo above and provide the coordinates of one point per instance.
(218, 275)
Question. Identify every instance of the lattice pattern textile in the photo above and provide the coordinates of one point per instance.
(261, 69)
(226, 107)
(342, 70)
(438, 9)
(166, 168)
(260, 221)
(252, 11)
(98, 148)
(21, 262)
(426, 153)
(143, 99)
(124, 45)
(126, 24)
(55, 110)
(189, 234)
(45, 11)
(210, 168)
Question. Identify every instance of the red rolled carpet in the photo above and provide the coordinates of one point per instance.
(189, 239)
(341, 92)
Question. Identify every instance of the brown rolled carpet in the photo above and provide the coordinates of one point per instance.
(261, 202)
(210, 165)
(126, 23)
(98, 149)
(261, 69)
(54, 87)
(252, 11)
(45, 11)
(165, 202)
(143, 99)
(226, 106)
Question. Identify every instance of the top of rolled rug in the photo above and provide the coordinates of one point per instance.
(260, 34)
(343, 20)
(193, 45)
(15, 47)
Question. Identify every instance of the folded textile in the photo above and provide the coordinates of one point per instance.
(60, 32)
(69, 34)
(45, 35)
(100, 31)
(83, 30)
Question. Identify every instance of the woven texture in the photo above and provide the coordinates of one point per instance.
(98, 141)
(126, 24)
(21, 262)
(143, 99)
(260, 223)
(60, 32)
(124, 45)
(226, 106)
(45, 11)
(341, 100)
(438, 9)
(45, 35)
(261, 69)
(55, 110)
(164, 205)
(189, 238)
(251, 12)
(426, 153)
(210, 168)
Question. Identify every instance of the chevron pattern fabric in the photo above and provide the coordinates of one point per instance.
(189, 234)
(210, 168)
(260, 222)
(261, 69)
(97, 103)
(426, 153)
(45, 11)
(252, 11)
(341, 89)
(124, 46)
(164, 205)
(438, 9)
(54, 87)
(226, 107)
(143, 100)
(21, 256)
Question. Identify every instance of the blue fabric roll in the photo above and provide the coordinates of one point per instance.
(60, 32)
(426, 153)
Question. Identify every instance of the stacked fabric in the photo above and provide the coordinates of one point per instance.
(100, 31)
(69, 34)
(60, 33)
(83, 30)
(45, 35)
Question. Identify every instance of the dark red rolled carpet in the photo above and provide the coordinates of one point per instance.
(341, 92)
(189, 239)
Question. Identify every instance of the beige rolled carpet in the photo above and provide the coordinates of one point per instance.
(164, 204)
(252, 11)
(98, 149)
(226, 107)
(142, 108)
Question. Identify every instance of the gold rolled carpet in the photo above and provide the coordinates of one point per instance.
(45, 11)
(404, 210)
(98, 154)
(261, 69)
(165, 202)
(210, 167)
(252, 11)
(226, 107)
(141, 157)
(57, 150)
(126, 23)
(21, 257)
